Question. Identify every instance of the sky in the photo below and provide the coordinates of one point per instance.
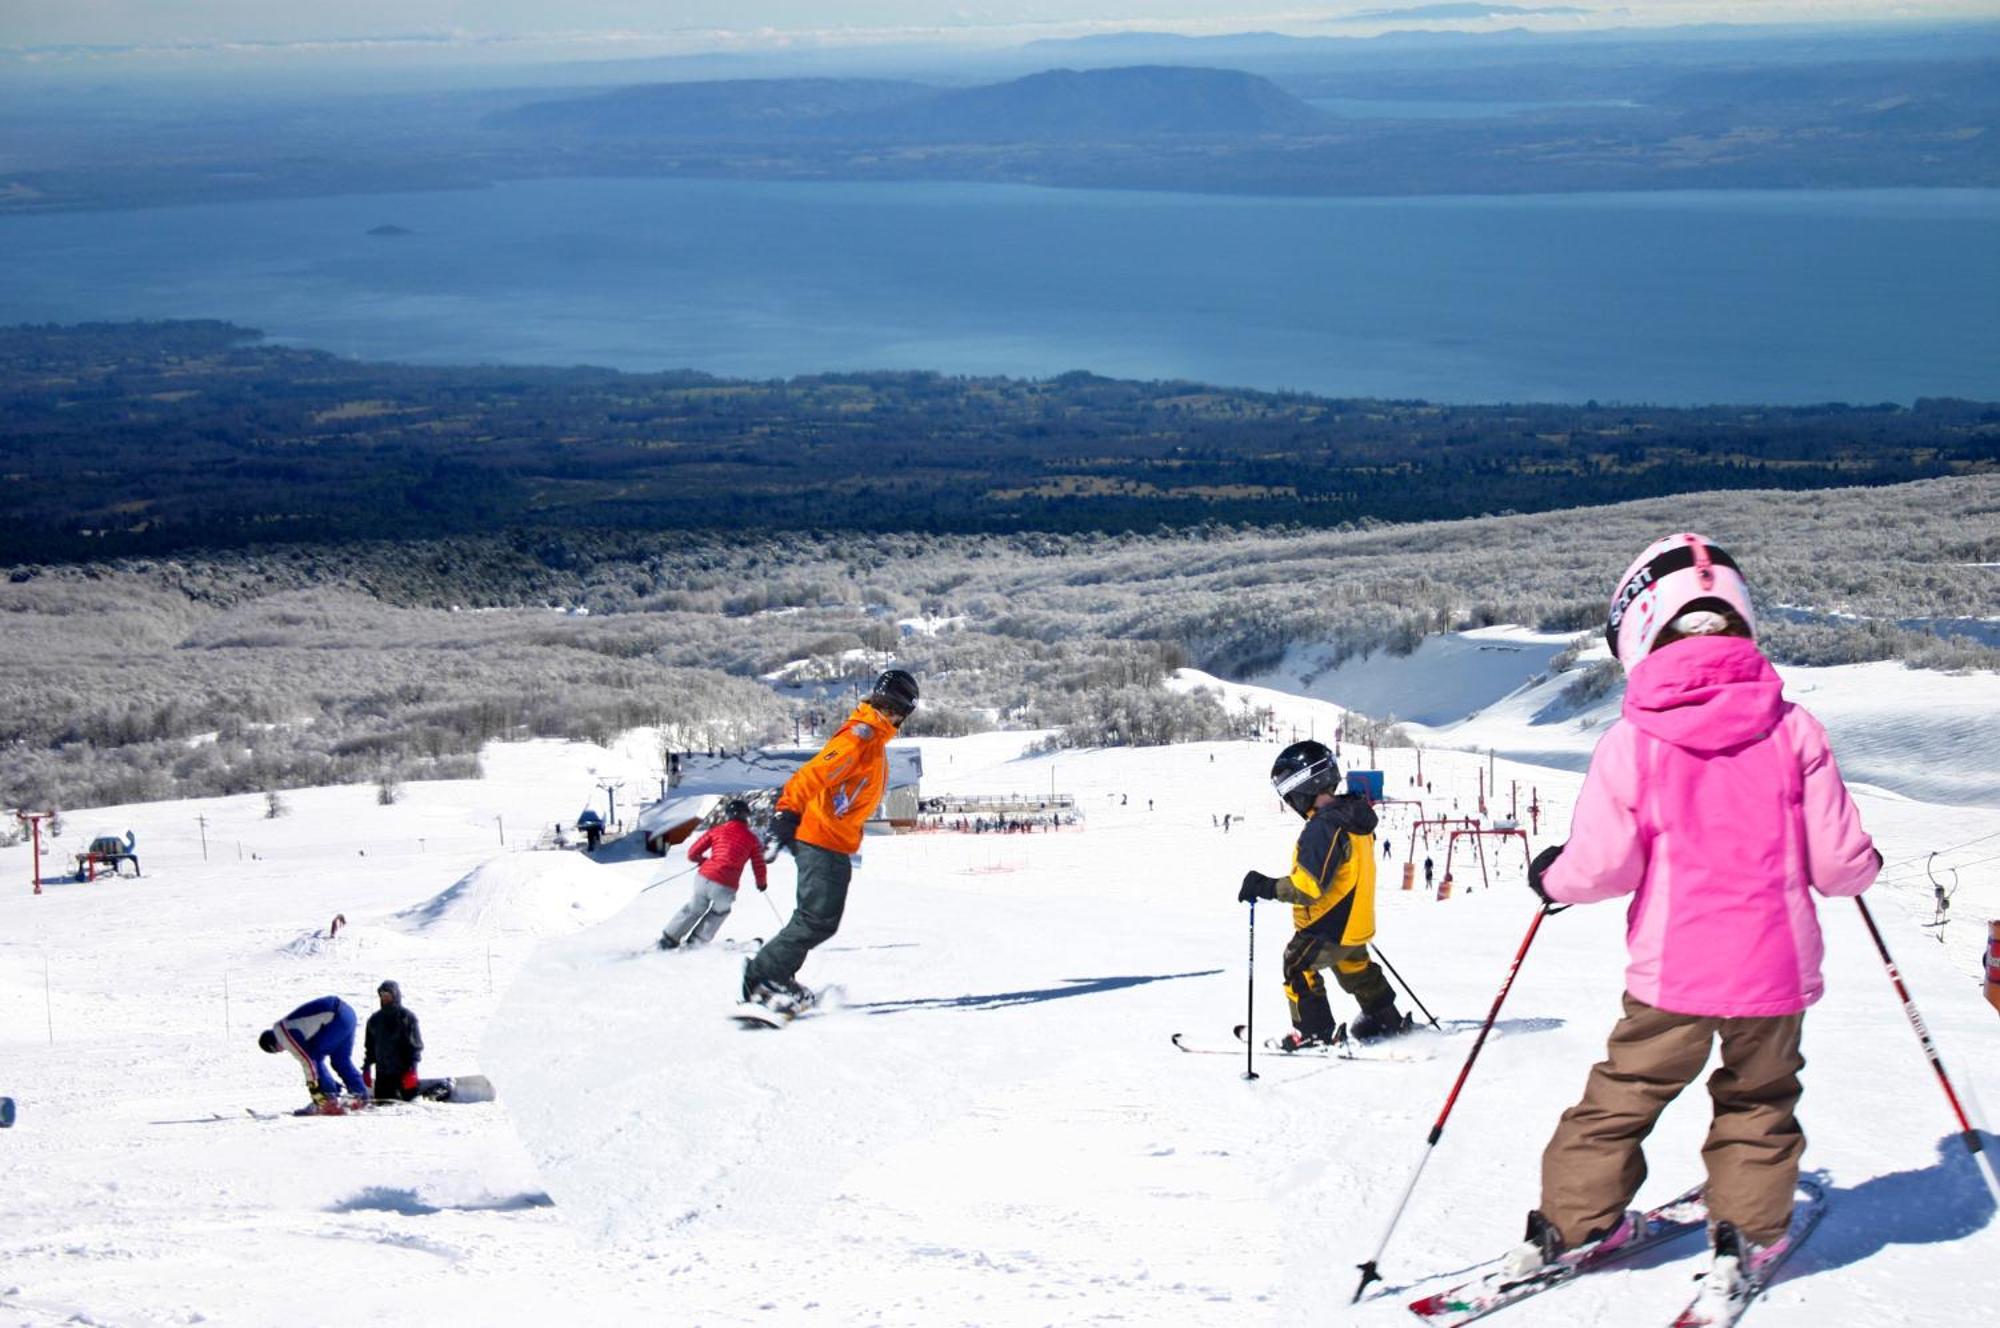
(541, 29)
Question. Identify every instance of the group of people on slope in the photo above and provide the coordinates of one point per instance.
(320, 1036)
(1718, 807)
(1714, 802)
(818, 819)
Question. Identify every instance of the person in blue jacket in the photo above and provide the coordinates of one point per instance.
(315, 1033)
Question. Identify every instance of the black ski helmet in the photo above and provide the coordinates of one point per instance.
(268, 1040)
(1302, 772)
(895, 693)
(736, 810)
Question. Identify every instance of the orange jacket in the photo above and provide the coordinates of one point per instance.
(841, 787)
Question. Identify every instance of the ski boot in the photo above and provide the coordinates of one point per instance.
(1301, 1041)
(784, 996)
(1738, 1266)
(1382, 1021)
(667, 941)
(1543, 1245)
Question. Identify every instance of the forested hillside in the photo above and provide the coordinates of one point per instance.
(153, 438)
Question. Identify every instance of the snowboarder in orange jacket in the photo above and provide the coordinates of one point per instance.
(820, 814)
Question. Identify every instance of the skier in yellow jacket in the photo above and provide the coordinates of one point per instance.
(1331, 889)
(820, 814)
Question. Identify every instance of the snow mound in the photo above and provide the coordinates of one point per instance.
(318, 945)
(541, 894)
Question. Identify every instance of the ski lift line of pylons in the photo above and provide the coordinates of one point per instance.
(1922, 857)
(1913, 879)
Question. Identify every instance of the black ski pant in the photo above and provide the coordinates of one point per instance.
(1305, 990)
(823, 878)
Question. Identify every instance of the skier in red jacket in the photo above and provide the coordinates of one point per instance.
(722, 851)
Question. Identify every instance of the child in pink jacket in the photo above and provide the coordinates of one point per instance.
(1715, 804)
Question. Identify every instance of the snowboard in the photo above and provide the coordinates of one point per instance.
(6, 1113)
(466, 1088)
(751, 1014)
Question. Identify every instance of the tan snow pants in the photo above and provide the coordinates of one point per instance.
(1593, 1165)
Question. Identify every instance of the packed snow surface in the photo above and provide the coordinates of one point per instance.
(992, 1128)
(541, 895)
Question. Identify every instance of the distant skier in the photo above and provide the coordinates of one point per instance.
(1331, 889)
(315, 1033)
(722, 852)
(1428, 868)
(392, 1047)
(1714, 802)
(820, 814)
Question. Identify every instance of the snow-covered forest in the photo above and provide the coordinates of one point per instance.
(277, 669)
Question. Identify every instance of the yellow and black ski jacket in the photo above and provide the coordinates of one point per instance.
(1332, 885)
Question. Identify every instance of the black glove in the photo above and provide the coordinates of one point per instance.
(1256, 885)
(1543, 861)
(785, 828)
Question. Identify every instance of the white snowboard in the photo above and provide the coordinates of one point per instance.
(750, 1014)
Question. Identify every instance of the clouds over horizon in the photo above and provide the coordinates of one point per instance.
(498, 30)
(1466, 12)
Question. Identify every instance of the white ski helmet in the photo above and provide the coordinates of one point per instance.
(1679, 575)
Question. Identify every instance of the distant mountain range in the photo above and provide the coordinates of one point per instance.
(1808, 106)
(1052, 106)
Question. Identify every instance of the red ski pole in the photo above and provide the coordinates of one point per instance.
(1368, 1270)
(1973, 1143)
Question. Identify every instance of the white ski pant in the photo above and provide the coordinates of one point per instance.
(703, 914)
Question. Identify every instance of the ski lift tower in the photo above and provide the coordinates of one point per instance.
(1479, 835)
(33, 820)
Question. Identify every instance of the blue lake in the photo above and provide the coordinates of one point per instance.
(1685, 297)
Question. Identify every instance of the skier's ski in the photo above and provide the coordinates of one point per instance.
(1347, 1047)
(1345, 1051)
(351, 1106)
(6, 1113)
(1493, 1289)
(1708, 1310)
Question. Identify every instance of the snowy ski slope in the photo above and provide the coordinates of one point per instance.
(995, 1130)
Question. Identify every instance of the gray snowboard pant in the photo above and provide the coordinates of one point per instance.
(703, 914)
(1593, 1166)
(823, 878)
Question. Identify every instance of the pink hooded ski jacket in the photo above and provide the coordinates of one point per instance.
(1715, 803)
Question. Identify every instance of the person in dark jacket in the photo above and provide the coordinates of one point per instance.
(722, 850)
(315, 1033)
(392, 1047)
(1331, 889)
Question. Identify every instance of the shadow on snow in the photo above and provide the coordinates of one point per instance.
(1003, 999)
(385, 1199)
(1945, 1201)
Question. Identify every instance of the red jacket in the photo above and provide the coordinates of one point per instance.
(728, 846)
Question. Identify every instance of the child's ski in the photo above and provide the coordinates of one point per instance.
(1712, 1309)
(1493, 1289)
(1339, 1051)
